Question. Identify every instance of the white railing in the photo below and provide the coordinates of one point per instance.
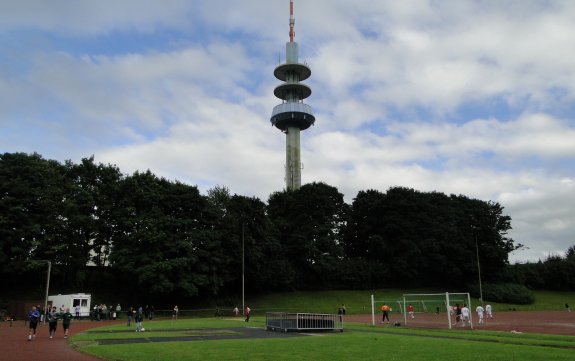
(283, 321)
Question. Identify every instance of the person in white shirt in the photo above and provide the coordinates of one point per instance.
(479, 311)
(489, 311)
(465, 313)
(77, 311)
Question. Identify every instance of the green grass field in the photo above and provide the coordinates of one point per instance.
(358, 341)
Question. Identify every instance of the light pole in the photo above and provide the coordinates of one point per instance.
(47, 287)
(478, 266)
(243, 273)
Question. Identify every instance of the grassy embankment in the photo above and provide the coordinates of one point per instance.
(358, 302)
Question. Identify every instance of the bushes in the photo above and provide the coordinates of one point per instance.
(504, 293)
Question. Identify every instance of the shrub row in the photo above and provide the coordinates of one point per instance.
(504, 293)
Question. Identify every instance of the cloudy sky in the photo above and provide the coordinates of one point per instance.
(461, 97)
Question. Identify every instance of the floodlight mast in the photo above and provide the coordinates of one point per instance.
(292, 115)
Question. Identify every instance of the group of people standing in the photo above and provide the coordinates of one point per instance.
(462, 313)
(100, 312)
(103, 312)
(248, 312)
(52, 317)
(488, 311)
(138, 315)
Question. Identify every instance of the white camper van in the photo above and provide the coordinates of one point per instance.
(71, 301)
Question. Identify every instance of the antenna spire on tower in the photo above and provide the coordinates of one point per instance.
(291, 22)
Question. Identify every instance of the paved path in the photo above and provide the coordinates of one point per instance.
(16, 347)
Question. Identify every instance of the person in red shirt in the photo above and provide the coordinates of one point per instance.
(410, 311)
(248, 313)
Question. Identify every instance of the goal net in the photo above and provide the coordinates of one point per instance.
(426, 309)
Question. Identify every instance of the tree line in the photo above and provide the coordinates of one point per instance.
(148, 236)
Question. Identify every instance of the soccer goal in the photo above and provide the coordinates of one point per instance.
(391, 303)
(425, 305)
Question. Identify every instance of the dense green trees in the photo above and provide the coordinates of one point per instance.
(151, 236)
(556, 272)
(30, 198)
(162, 237)
(310, 223)
(409, 237)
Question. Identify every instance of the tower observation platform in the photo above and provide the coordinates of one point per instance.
(292, 115)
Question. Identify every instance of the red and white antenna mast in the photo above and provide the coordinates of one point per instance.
(291, 22)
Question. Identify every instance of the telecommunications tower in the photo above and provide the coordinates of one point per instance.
(292, 115)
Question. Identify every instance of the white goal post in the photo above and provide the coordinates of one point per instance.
(445, 298)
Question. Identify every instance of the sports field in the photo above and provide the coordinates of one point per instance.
(547, 322)
(233, 339)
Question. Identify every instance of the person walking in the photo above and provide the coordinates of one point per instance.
(42, 311)
(479, 311)
(66, 320)
(118, 310)
(489, 311)
(77, 311)
(385, 313)
(104, 312)
(465, 315)
(457, 313)
(33, 318)
(152, 311)
(130, 313)
(248, 313)
(52, 322)
(139, 318)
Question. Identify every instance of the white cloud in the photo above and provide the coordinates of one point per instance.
(458, 53)
(391, 82)
(86, 17)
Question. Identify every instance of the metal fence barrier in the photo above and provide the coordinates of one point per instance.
(281, 321)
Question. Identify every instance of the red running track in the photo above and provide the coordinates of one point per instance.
(16, 347)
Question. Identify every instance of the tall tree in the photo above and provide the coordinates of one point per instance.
(31, 200)
(89, 213)
(427, 238)
(245, 234)
(310, 223)
(164, 242)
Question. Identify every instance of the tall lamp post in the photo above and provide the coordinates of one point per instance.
(243, 273)
(478, 265)
(47, 286)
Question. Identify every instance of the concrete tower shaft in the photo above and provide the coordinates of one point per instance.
(292, 115)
